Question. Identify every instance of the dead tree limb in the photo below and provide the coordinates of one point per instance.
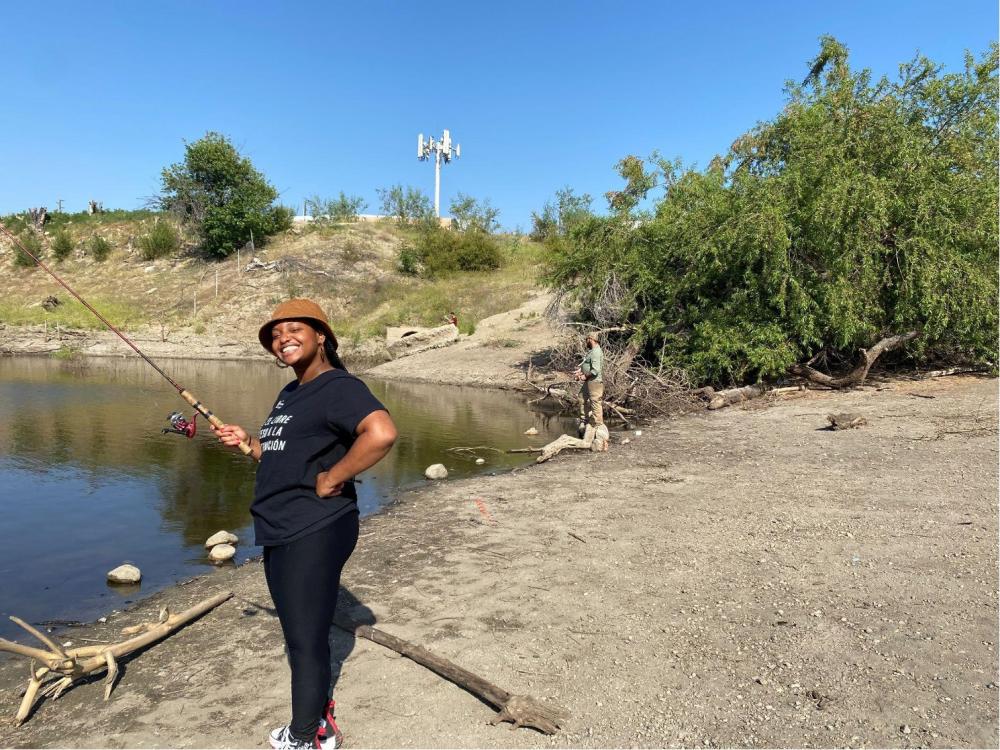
(856, 376)
(736, 395)
(520, 710)
(747, 392)
(60, 667)
(950, 371)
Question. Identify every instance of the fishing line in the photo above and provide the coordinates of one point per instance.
(181, 426)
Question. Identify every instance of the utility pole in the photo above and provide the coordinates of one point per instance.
(442, 151)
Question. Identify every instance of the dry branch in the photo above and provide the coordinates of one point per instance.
(736, 395)
(60, 668)
(520, 710)
(856, 376)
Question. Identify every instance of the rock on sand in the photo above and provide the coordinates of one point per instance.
(436, 471)
(125, 574)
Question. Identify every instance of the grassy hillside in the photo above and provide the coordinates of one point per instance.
(352, 271)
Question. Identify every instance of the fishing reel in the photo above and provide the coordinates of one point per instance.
(180, 426)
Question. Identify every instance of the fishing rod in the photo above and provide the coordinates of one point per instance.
(178, 424)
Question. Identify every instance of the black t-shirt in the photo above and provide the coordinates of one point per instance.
(311, 427)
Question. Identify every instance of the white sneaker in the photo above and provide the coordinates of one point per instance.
(282, 739)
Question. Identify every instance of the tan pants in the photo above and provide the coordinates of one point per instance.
(591, 406)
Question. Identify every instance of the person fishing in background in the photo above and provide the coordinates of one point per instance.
(325, 428)
(591, 372)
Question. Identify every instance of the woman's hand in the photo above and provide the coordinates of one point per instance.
(327, 487)
(231, 435)
(375, 435)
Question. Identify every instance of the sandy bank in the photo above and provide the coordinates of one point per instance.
(742, 578)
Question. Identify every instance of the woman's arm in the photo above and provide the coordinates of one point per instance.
(231, 435)
(375, 435)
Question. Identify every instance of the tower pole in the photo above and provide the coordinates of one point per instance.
(437, 183)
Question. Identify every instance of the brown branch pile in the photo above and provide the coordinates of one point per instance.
(632, 388)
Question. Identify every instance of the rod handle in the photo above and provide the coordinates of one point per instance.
(207, 414)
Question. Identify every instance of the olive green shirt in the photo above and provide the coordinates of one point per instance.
(593, 364)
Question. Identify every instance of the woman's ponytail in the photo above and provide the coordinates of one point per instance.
(331, 355)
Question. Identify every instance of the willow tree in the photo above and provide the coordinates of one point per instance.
(864, 208)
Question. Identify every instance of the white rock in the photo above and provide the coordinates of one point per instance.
(638, 433)
(436, 471)
(531, 431)
(125, 574)
(626, 441)
(221, 537)
(480, 461)
(221, 553)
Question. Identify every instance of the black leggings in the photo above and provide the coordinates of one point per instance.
(304, 577)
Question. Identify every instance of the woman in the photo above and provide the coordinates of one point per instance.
(325, 428)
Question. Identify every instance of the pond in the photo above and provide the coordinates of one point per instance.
(88, 481)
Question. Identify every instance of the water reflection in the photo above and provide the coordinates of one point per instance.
(87, 479)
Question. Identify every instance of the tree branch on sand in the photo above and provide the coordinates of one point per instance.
(519, 710)
(61, 667)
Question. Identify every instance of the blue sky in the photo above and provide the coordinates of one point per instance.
(329, 96)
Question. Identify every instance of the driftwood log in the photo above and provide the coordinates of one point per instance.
(856, 376)
(519, 710)
(594, 439)
(721, 399)
(60, 667)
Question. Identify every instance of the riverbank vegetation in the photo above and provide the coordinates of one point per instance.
(866, 208)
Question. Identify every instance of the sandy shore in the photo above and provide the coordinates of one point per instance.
(738, 578)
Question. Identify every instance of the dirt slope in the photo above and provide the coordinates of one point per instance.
(495, 356)
(742, 578)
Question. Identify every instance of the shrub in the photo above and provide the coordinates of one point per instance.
(409, 260)
(98, 248)
(162, 240)
(62, 245)
(33, 244)
(444, 251)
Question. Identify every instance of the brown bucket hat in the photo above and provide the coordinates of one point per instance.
(296, 309)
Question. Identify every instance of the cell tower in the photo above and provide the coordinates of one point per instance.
(442, 151)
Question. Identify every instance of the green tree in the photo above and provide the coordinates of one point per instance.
(638, 182)
(863, 209)
(469, 214)
(405, 204)
(342, 209)
(220, 194)
(557, 219)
